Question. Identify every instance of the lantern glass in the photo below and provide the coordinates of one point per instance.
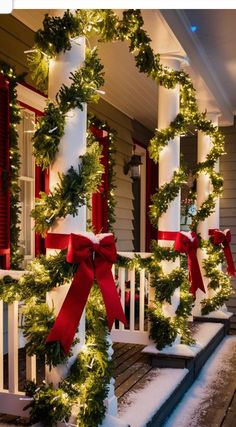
(135, 171)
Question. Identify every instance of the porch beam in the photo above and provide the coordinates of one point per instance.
(180, 25)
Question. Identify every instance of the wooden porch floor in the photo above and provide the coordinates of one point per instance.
(131, 369)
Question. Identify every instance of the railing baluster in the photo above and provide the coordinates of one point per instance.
(121, 281)
(113, 270)
(141, 299)
(13, 347)
(1, 346)
(131, 277)
(31, 368)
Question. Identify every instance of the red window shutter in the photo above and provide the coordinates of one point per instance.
(4, 175)
(41, 184)
(151, 186)
(100, 199)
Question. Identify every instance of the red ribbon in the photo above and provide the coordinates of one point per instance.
(95, 260)
(224, 238)
(188, 243)
(167, 235)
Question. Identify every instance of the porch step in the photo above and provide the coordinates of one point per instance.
(184, 370)
(179, 356)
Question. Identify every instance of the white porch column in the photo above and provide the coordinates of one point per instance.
(169, 161)
(203, 191)
(72, 145)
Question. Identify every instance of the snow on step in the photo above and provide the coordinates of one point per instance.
(140, 406)
(202, 335)
(211, 393)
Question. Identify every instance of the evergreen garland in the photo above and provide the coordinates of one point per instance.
(15, 117)
(218, 280)
(165, 195)
(72, 191)
(50, 129)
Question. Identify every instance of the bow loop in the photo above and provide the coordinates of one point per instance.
(79, 248)
(187, 242)
(221, 237)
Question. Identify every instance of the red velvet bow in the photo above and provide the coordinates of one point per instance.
(95, 260)
(224, 238)
(188, 243)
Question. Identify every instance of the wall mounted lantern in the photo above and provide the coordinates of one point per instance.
(133, 166)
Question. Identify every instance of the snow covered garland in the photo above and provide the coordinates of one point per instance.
(88, 381)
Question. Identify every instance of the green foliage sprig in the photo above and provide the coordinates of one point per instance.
(86, 81)
(166, 194)
(162, 253)
(38, 321)
(48, 404)
(46, 139)
(162, 329)
(57, 35)
(15, 117)
(165, 284)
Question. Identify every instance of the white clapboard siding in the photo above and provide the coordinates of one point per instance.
(228, 202)
(135, 285)
(125, 203)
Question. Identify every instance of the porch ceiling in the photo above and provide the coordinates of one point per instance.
(210, 51)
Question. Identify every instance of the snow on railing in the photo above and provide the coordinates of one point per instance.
(133, 286)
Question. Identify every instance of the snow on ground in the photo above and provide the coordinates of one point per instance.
(198, 398)
(141, 406)
(203, 335)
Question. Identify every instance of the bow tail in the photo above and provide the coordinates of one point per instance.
(68, 319)
(111, 298)
(230, 263)
(195, 276)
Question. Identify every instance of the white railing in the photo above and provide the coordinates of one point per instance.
(11, 398)
(134, 288)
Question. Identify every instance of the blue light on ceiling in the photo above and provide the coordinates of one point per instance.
(193, 28)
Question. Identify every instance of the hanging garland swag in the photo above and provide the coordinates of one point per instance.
(91, 372)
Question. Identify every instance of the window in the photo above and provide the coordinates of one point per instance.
(4, 176)
(27, 184)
